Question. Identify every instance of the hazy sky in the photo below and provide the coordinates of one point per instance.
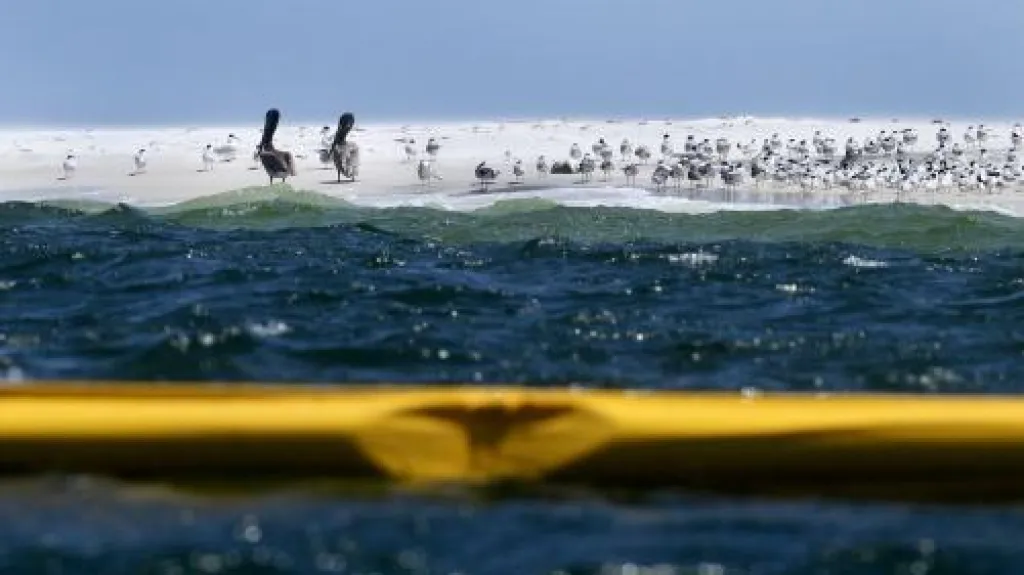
(189, 61)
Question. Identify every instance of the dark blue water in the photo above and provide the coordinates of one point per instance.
(299, 289)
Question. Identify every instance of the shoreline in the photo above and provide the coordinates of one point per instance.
(30, 163)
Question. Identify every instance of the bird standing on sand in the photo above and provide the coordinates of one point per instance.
(518, 171)
(426, 172)
(485, 174)
(542, 166)
(666, 145)
(643, 153)
(229, 149)
(326, 139)
(140, 161)
(277, 163)
(69, 166)
(410, 150)
(208, 158)
(432, 149)
(345, 154)
(660, 175)
(587, 167)
(631, 171)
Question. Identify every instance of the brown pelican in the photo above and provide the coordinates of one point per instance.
(345, 154)
(277, 163)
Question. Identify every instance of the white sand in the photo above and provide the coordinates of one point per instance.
(30, 163)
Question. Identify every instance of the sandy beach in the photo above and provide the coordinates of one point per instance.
(30, 163)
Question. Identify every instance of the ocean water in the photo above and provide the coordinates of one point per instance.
(295, 287)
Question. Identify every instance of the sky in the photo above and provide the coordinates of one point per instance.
(149, 62)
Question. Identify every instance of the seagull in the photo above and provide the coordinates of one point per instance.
(426, 173)
(631, 171)
(626, 149)
(643, 153)
(485, 174)
(229, 149)
(140, 161)
(208, 158)
(518, 171)
(666, 145)
(69, 166)
(542, 166)
(432, 148)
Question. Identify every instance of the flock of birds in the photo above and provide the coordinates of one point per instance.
(891, 159)
(334, 149)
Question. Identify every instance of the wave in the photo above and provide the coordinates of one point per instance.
(904, 226)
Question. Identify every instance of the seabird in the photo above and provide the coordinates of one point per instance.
(277, 163)
(208, 158)
(432, 148)
(140, 161)
(631, 171)
(345, 154)
(69, 166)
(485, 174)
(542, 166)
(518, 171)
(425, 172)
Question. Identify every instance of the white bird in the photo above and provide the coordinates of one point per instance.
(542, 166)
(326, 142)
(626, 149)
(587, 167)
(631, 171)
(140, 161)
(643, 153)
(69, 166)
(229, 149)
(208, 158)
(518, 171)
(432, 148)
(410, 150)
(426, 172)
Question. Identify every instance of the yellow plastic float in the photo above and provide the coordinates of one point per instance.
(907, 447)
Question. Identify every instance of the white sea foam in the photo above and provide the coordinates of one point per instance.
(30, 164)
(858, 262)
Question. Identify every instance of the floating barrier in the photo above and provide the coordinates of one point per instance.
(907, 447)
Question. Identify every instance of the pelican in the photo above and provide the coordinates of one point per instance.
(277, 163)
(345, 154)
